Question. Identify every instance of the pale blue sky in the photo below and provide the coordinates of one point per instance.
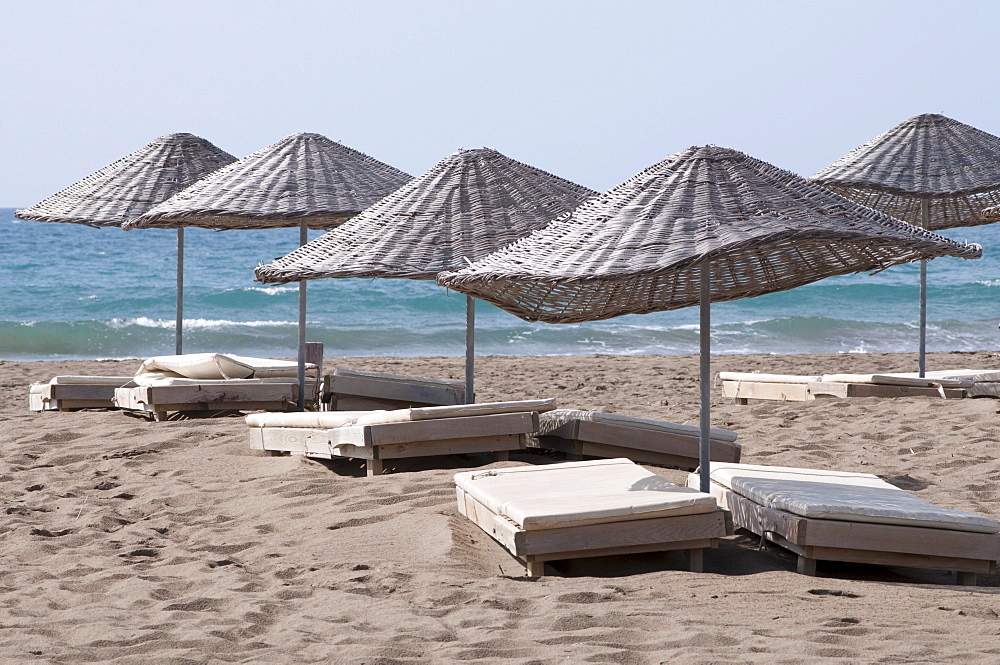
(592, 91)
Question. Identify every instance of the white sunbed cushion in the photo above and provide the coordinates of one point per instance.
(481, 409)
(328, 419)
(305, 419)
(167, 379)
(331, 419)
(90, 380)
(760, 377)
(836, 495)
(984, 389)
(400, 378)
(975, 375)
(559, 417)
(220, 366)
(264, 368)
(900, 379)
(543, 497)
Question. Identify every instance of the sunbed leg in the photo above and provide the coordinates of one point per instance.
(806, 566)
(159, 414)
(374, 467)
(534, 568)
(502, 455)
(742, 400)
(967, 579)
(696, 559)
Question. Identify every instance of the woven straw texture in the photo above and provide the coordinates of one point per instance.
(302, 176)
(469, 205)
(639, 247)
(955, 166)
(133, 184)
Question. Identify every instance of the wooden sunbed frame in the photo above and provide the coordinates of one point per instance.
(74, 396)
(347, 390)
(159, 401)
(497, 433)
(691, 533)
(862, 542)
(743, 391)
(581, 438)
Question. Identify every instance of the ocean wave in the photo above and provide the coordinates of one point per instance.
(208, 324)
(271, 290)
(48, 316)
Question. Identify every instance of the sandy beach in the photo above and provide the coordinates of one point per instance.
(126, 541)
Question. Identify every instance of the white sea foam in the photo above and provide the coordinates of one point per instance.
(206, 324)
(273, 290)
(860, 348)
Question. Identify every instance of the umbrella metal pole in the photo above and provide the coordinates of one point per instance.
(705, 366)
(925, 215)
(303, 239)
(179, 325)
(470, 349)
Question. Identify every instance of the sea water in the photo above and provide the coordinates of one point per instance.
(71, 292)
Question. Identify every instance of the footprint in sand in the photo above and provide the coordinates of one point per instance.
(833, 592)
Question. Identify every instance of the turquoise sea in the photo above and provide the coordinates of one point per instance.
(70, 291)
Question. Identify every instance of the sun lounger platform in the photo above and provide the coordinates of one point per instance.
(70, 393)
(168, 396)
(582, 434)
(352, 390)
(949, 384)
(377, 436)
(853, 517)
(208, 383)
(587, 509)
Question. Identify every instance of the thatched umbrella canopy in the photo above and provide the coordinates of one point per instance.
(705, 224)
(302, 180)
(931, 171)
(928, 157)
(133, 185)
(469, 205)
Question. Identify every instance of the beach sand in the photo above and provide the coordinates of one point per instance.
(126, 541)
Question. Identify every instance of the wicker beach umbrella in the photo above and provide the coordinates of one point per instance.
(133, 185)
(302, 180)
(707, 224)
(470, 204)
(931, 171)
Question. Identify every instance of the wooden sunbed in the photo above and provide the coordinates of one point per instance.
(853, 517)
(377, 436)
(797, 388)
(588, 509)
(71, 393)
(211, 383)
(352, 390)
(162, 398)
(582, 434)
